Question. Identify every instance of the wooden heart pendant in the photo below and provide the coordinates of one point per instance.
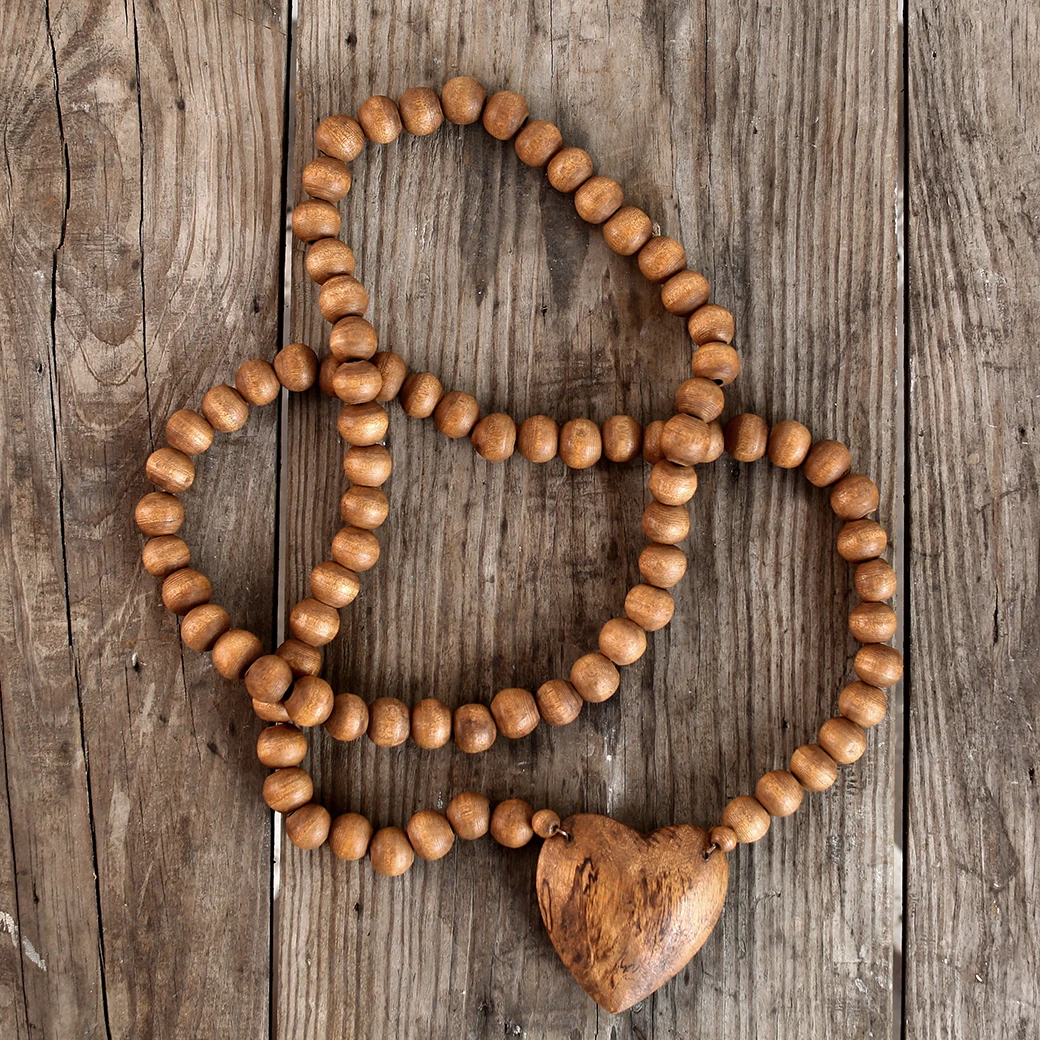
(628, 911)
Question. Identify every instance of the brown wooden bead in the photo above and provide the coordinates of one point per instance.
(827, 462)
(326, 374)
(649, 607)
(389, 722)
(878, 664)
(341, 137)
(170, 469)
(725, 838)
(369, 465)
(281, 746)
(718, 362)
(622, 641)
(622, 438)
(716, 441)
(595, 677)
(545, 823)
(685, 440)
(334, 584)
(875, 580)
(380, 119)
(327, 258)
(203, 626)
(308, 826)
(348, 718)
(511, 823)
(288, 789)
(165, 554)
(504, 114)
(854, 496)
(257, 383)
(861, 540)
(456, 414)
(628, 230)
(462, 100)
(475, 729)
(662, 565)
(225, 409)
(842, 739)
(420, 110)
(187, 431)
(516, 712)
(342, 296)
(391, 852)
(364, 507)
(420, 394)
(355, 549)
(863, 704)
(363, 423)
(779, 792)
(234, 652)
(494, 437)
(700, 398)
(357, 382)
(581, 443)
(666, 524)
(303, 659)
(873, 622)
(315, 218)
(813, 767)
(661, 258)
(296, 366)
(469, 814)
(185, 589)
(313, 622)
(268, 679)
(270, 712)
(671, 484)
(353, 338)
(652, 432)
(559, 703)
(789, 443)
(747, 437)
(349, 836)
(710, 324)
(598, 199)
(310, 702)
(326, 178)
(392, 371)
(569, 169)
(430, 834)
(538, 142)
(685, 292)
(747, 819)
(538, 438)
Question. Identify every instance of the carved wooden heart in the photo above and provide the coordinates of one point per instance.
(628, 911)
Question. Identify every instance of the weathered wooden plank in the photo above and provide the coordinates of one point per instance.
(973, 933)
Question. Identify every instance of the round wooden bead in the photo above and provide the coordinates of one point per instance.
(661, 257)
(326, 178)
(462, 100)
(184, 589)
(779, 792)
(511, 823)
(685, 440)
(313, 622)
(353, 338)
(391, 852)
(545, 823)
(622, 641)
(268, 679)
(872, 622)
(569, 169)
(813, 767)
(326, 373)
(234, 652)
(369, 465)
(269, 712)
(420, 111)
(685, 292)
(504, 114)
(662, 565)
(257, 382)
(747, 819)
(364, 507)
(469, 814)
(288, 789)
(827, 462)
(327, 258)
(652, 432)
(581, 443)
(380, 119)
(649, 607)
(842, 739)
(456, 414)
(342, 296)
(363, 423)
(672, 485)
(420, 394)
(666, 524)
(628, 230)
(349, 836)
(538, 142)
(597, 199)
(746, 437)
(718, 362)
(622, 438)
(170, 469)
(348, 718)
(225, 409)
(389, 722)
(308, 826)
(310, 702)
(863, 704)
(861, 540)
(516, 712)
(724, 838)
(716, 441)
(710, 324)
(355, 549)
(538, 438)
(494, 437)
(302, 658)
(700, 398)
(854, 496)
(475, 729)
(430, 834)
(875, 580)
(595, 677)
(341, 137)
(189, 432)
(296, 366)
(314, 219)
(165, 554)
(392, 371)
(789, 444)
(203, 626)
(281, 746)
(559, 703)
(878, 664)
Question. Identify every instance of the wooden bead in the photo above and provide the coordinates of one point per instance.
(475, 729)
(281, 746)
(313, 622)
(622, 641)
(649, 607)
(747, 437)
(353, 338)
(165, 554)
(504, 114)
(430, 834)
(185, 589)
(538, 142)
(234, 652)
(327, 258)
(348, 718)
(310, 702)
(189, 432)
(456, 414)
(420, 110)
(672, 485)
(826, 462)
(842, 739)
(380, 119)
(315, 218)
(326, 178)
(597, 199)
(710, 324)
(559, 703)
(296, 366)
(813, 767)
(652, 432)
(685, 440)
(863, 704)
(349, 836)
(342, 296)
(302, 658)
(364, 507)
(661, 258)
(369, 465)
(391, 852)
(628, 230)
(516, 712)
(341, 137)
(622, 438)
(747, 819)
(718, 362)
(581, 443)
(779, 792)
(700, 398)
(268, 679)
(872, 622)
(878, 664)
(861, 540)
(269, 712)
(494, 437)
(308, 826)
(389, 722)
(355, 549)
(538, 438)
(724, 838)
(511, 823)
(225, 409)
(363, 423)
(462, 100)
(875, 580)
(420, 394)
(789, 443)
(666, 524)
(288, 789)
(392, 371)
(203, 626)
(854, 496)
(469, 814)
(569, 169)
(716, 441)
(595, 677)
(545, 823)
(257, 383)
(662, 565)
(685, 292)
(357, 382)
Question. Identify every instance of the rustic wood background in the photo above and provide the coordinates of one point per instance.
(150, 155)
